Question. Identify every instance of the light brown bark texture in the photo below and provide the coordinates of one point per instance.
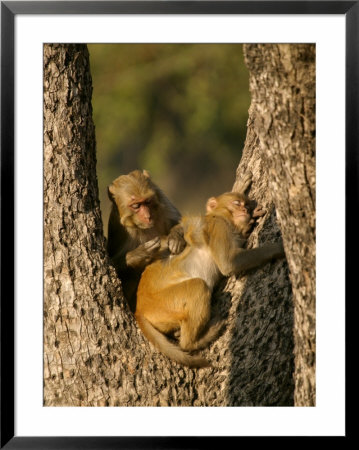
(94, 353)
(282, 86)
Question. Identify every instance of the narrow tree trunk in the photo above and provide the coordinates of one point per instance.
(282, 85)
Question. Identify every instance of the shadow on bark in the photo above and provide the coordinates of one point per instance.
(261, 343)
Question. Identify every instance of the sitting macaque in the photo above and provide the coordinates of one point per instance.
(140, 221)
(175, 293)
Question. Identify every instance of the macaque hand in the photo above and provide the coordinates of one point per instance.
(144, 253)
(259, 211)
(152, 245)
(276, 249)
(176, 242)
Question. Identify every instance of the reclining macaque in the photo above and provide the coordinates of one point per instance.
(175, 293)
(140, 220)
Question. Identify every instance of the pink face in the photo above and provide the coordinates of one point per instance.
(239, 210)
(143, 211)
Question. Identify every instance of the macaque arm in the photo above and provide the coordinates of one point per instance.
(137, 258)
(231, 259)
(176, 241)
(222, 243)
(244, 260)
(143, 254)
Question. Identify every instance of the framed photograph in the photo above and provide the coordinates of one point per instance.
(111, 114)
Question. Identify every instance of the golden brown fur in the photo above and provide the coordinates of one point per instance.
(175, 293)
(140, 220)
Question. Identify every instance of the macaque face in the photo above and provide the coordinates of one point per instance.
(237, 205)
(144, 211)
(240, 211)
(136, 200)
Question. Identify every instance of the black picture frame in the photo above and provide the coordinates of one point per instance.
(9, 9)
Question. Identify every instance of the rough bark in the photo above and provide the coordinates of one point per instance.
(94, 353)
(253, 359)
(282, 85)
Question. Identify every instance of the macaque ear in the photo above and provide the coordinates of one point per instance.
(146, 173)
(111, 191)
(211, 204)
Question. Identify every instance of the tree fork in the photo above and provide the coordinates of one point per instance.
(93, 352)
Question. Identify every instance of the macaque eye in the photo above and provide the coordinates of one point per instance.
(135, 205)
(240, 203)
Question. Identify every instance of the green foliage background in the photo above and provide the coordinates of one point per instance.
(177, 110)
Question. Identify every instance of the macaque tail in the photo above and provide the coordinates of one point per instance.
(166, 347)
(212, 333)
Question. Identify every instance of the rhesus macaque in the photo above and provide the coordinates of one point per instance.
(140, 220)
(175, 293)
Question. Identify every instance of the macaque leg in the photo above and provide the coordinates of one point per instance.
(185, 305)
(198, 306)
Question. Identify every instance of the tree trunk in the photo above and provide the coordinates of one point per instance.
(94, 354)
(282, 85)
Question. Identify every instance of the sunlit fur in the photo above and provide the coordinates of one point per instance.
(175, 293)
(133, 244)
